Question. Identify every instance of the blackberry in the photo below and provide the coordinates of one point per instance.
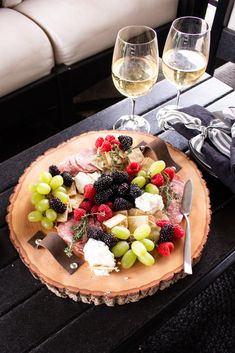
(135, 191)
(68, 180)
(123, 189)
(54, 170)
(103, 196)
(103, 183)
(95, 233)
(122, 204)
(109, 239)
(166, 233)
(57, 205)
(126, 142)
(120, 177)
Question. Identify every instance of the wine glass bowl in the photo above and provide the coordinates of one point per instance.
(186, 52)
(135, 70)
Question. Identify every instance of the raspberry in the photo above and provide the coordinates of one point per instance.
(110, 204)
(165, 249)
(106, 147)
(162, 222)
(178, 231)
(115, 142)
(109, 138)
(133, 168)
(86, 205)
(99, 142)
(105, 211)
(94, 209)
(157, 180)
(166, 233)
(78, 214)
(169, 172)
(89, 191)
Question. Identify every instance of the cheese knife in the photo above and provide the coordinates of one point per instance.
(186, 204)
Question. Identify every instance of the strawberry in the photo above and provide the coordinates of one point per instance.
(178, 231)
(78, 214)
(165, 249)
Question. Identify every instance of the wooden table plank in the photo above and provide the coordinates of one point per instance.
(8, 252)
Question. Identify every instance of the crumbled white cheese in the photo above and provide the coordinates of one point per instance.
(82, 179)
(100, 258)
(150, 203)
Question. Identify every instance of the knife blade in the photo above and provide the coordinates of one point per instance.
(186, 204)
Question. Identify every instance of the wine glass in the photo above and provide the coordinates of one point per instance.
(185, 54)
(135, 70)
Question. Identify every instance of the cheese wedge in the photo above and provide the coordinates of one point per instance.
(136, 221)
(117, 220)
(136, 156)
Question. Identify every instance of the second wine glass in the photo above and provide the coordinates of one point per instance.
(135, 70)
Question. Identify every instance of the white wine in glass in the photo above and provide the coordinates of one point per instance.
(185, 54)
(135, 70)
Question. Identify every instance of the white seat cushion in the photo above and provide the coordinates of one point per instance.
(231, 23)
(26, 53)
(81, 28)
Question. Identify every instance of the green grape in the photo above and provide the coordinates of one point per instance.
(142, 173)
(61, 189)
(45, 177)
(139, 180)
(62, 196)
(157, 167)
(147, 259)
(32, 187)
(35, 216)
(120, 248)
(120, 232)
(43, 188)
(42, 205)
(56, 182)
(128, 259)
(149, 244)
(138, 248)
(152, 189)
(51, 214)
(46, 223)
(142, 232)
(36, 197)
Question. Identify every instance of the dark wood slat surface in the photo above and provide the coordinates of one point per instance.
(81, 327)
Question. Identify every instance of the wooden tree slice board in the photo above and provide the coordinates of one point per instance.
(119, 287)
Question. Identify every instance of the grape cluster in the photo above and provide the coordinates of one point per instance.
(49, 197)
(133, 247)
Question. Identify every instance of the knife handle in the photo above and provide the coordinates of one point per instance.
(187, 248)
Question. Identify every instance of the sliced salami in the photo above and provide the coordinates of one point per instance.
(79, 162)
(173, 210)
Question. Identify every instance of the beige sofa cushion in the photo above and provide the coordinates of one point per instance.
(81, 28)
(231, 23)
(26, 53)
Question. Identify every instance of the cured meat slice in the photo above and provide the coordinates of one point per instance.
(79, 162)
(173, 210)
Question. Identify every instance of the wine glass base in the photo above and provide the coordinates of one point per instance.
(133, 123)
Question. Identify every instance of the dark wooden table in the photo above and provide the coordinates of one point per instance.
(32, 319)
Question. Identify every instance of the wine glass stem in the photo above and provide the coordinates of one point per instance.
(178, 97)
(133, 108)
